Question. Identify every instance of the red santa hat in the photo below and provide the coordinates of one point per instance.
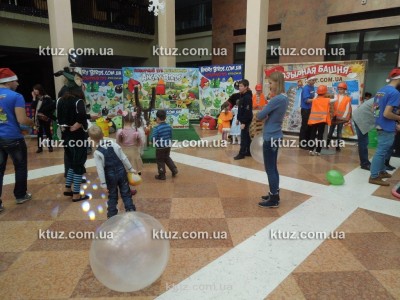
(394, 74)
(311, 77)
(6, 75)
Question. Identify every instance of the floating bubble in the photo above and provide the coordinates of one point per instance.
(100, 209)
(54, 212)
(95, 187)
(85, 206)
(103, 196)
(92, 215)
(82, 192)
(90, 196)
(84, 186)
(88, 181)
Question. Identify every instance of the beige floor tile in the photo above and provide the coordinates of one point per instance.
(331, 256)
(243, 228)
(390, 280)
(16, 236)
(43, 275)
(194, 208)
(287, 290)
(361, 221)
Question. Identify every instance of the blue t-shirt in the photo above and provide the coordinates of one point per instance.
(9, 127)
(307, 93)
(388, 95)
(275, 110)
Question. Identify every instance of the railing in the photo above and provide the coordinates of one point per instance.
(194, 18)
(127, 15)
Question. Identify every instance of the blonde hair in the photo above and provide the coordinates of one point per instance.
(280, 80)
(95, 133)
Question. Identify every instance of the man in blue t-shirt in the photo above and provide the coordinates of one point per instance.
(12, 143)
(386, 104)
(307, 95)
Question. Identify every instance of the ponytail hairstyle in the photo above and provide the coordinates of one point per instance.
(138, 117)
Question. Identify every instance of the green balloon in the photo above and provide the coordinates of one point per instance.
(335, 177)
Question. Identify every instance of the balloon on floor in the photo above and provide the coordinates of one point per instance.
(335, 177)
(396, 190)
(128, 253)
(256, 148)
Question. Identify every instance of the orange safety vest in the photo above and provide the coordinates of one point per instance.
(262, 102)
(341, 109)
(320, 111)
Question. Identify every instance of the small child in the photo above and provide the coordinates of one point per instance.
(162, 140)
(225, 118)
(139, 123)
(319, 118)
(129, 135)
(111, 163)
(235, 129)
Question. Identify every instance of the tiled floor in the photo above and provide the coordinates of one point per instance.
(215, 193)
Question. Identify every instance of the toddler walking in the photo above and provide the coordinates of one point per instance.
(235, 129)
(131, 136)
(111, 163)
(224, 121)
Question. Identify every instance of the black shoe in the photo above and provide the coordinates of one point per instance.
(131, 209)
(248, 154)
(81, 198)
(68, 194)
(50, 149)
(338, 149)
(269, 204)
(389, 167)
(273, 202)
(1, 206)
(174, 172)
(160, 177)
(239, 156)
(367, 167)
(267, 197)
(40, 150)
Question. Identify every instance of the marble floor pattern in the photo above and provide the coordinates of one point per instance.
(215, 193)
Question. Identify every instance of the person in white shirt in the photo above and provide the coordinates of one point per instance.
(111, 162)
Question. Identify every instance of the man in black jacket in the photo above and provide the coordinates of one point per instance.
(245, 116)
(44, 108)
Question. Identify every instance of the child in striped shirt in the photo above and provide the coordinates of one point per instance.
(161, 138)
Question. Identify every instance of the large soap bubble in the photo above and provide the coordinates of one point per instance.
(126, 256)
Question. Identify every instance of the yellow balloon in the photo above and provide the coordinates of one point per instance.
(134, 179)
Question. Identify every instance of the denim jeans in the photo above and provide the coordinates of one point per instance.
(117, 178)
(362, 147)
(17, 150)
(270, 153)
(338, 133)
(385, 141)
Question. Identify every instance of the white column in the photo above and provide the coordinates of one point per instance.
(256, 40)
(166, 33)
(61, 35)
